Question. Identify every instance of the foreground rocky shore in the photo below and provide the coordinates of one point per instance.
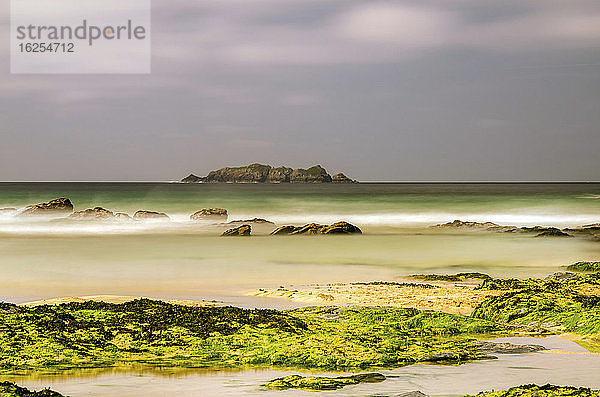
(51, 338)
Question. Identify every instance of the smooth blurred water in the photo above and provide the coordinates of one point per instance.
(44, 258)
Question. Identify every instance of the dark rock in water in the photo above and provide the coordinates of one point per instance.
(585, 266)
(122, 216)
(209, 214)
(412, 394)
(552, 232)
(562, 276)
(150, 215)
(341, 178)
(191, 178)
(260, 173)
(97, 213)
(57, 206)
(461, 225)
(10, 389)
(243, 230)
(283, 230)
(315, 228)
(7, 210)
(259, 221)
(506, 348)
(318, 383)
(441, 357)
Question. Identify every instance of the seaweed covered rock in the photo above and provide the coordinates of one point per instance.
(506, 348)
(552, 232)
(243, 230)
(452, 277)
(9, 389)
(318, 383)
(209, 214)
(97, 213)
(150, 215)
(57, 206)
(541, 391)
(584, 267)
(315, 228)
(257, 221)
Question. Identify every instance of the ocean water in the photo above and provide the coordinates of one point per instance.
(45, 258)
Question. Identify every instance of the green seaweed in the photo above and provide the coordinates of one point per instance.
(584, 267)
(451, 277)
(98, 334)
(541, 391)
(318, 383)
(9, 389)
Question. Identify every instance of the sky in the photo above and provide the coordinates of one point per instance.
(423, 90)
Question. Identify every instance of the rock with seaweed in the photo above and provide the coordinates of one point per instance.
(541, 391)
(315, 228)
(319, 383)
(209, 214)
(584, 266)
(452, 277)
(94, 214)
(99, 334)
(54, 207)
(9, 389)
(141, 214)
(243, 230)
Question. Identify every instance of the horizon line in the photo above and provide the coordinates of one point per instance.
(259, 183)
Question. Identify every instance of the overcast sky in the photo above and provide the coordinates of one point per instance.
(382, 90)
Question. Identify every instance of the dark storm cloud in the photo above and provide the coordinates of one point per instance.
(385, 90)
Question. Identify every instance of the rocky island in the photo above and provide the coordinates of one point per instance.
(260, 173)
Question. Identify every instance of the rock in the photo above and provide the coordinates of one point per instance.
(122, 216)
(445, 357)
(191, 178)
(258, 221)
(243, 230)
(283, 230)
(341, 178)
(260, 173)
(150, 215)
(7, 210)
(552, 232)
(316, 174)
(97, 213)
(562, 276)
(460, 225)
(315, 228)
(412, 394)
(209, 214)
(506, 348)
(317, 383)
(57, 206)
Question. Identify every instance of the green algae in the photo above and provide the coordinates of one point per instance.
(451, 277)
(9, 389)
(319, 383)
(98, 334)
(541, 391)
(584, 267)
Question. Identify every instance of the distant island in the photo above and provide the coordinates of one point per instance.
(260, 173)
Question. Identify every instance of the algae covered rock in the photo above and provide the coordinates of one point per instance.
(150, 215)
(553, 232)
(506, 348)
(97, 213)
(257, 221)
(57, 206)
(9, 389)
(243, 230)
(315, 228)
(541, 391)
(318, 383)
(209, 214)
(585, 267)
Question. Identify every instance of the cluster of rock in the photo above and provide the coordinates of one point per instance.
(260, 173)
(541, 231)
